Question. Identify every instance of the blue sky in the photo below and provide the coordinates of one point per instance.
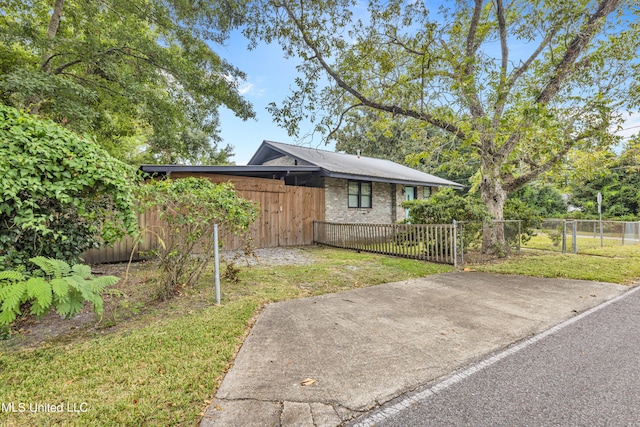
(269, 79)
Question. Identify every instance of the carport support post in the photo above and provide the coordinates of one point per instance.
(216, 262)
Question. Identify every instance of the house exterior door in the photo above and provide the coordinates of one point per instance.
(409, 194)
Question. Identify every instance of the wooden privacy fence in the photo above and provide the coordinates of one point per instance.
(429, 242)
(121, 250)
(286, 218)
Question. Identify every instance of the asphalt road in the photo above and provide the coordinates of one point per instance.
(585, 372)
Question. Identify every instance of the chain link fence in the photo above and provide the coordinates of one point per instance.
(470, 239)
(573, 236)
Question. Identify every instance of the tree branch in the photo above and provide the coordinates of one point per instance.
(525, 65)
(473, 28)
(344, 113)
(511, 183)
(502, 27)
(575, 49)
(475, 106)
(63, 67)
(393, 109)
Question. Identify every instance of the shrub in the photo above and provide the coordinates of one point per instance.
(445, 206)
(55, 285)
(516, 209)
(188, 208)
(60, 194)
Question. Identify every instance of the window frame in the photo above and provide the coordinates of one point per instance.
(359, 195)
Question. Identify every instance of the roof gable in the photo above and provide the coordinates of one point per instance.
(349, 166)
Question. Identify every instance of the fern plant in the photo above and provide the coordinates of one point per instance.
(55, 286)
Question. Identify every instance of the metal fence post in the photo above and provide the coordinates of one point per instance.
(216, 262)
(455, 243)
(315, 231)
(601, 233)
(564, 236)
(519, 234)
(574, 242)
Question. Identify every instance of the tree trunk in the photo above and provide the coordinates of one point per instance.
(52, 30)
(54, 23)
(494, 196)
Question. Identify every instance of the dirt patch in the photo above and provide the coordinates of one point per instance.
(271, 256)
(128, 298)
(29, 332)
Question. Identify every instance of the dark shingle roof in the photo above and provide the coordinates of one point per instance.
(349, 166)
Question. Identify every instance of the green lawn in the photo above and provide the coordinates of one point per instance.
(616, 264)
(543, 242)
(161, 365)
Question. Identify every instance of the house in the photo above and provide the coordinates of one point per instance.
(357, 188)
(295, 187)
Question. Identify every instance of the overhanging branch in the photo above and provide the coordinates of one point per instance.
(365, 101)
(576, 47)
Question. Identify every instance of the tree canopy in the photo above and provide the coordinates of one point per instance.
(140, 75)
(619, 184)
(516, 83)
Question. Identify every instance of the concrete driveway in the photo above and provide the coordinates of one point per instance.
(324, 360)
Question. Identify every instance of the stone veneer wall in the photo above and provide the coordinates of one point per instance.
(337, 210)
(383, 210)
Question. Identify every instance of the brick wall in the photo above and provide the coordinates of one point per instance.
(336, 198)
(386, 203)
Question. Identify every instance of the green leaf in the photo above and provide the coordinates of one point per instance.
(11, 303)
(60, 287)
(40, 290)
(82, 270)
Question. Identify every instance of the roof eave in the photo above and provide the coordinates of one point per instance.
(450, 184)
(226, 169)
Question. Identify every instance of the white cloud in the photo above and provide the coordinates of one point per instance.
(631, 125)
(249, 89)
(245, 87)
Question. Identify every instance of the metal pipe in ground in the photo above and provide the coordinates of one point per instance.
(216, 262)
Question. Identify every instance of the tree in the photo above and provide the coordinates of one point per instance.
(619, 185)
(138, 74)
(60, 194)
(545, 200)
(518, 84)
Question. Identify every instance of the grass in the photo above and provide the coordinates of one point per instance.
(543, 242)
(160, 365)
(615, 264)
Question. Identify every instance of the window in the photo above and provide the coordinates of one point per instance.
(427, 192)
(359, 194)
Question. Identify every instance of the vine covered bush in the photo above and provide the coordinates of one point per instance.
(187, 209)
(60, 193)
(55, 285)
